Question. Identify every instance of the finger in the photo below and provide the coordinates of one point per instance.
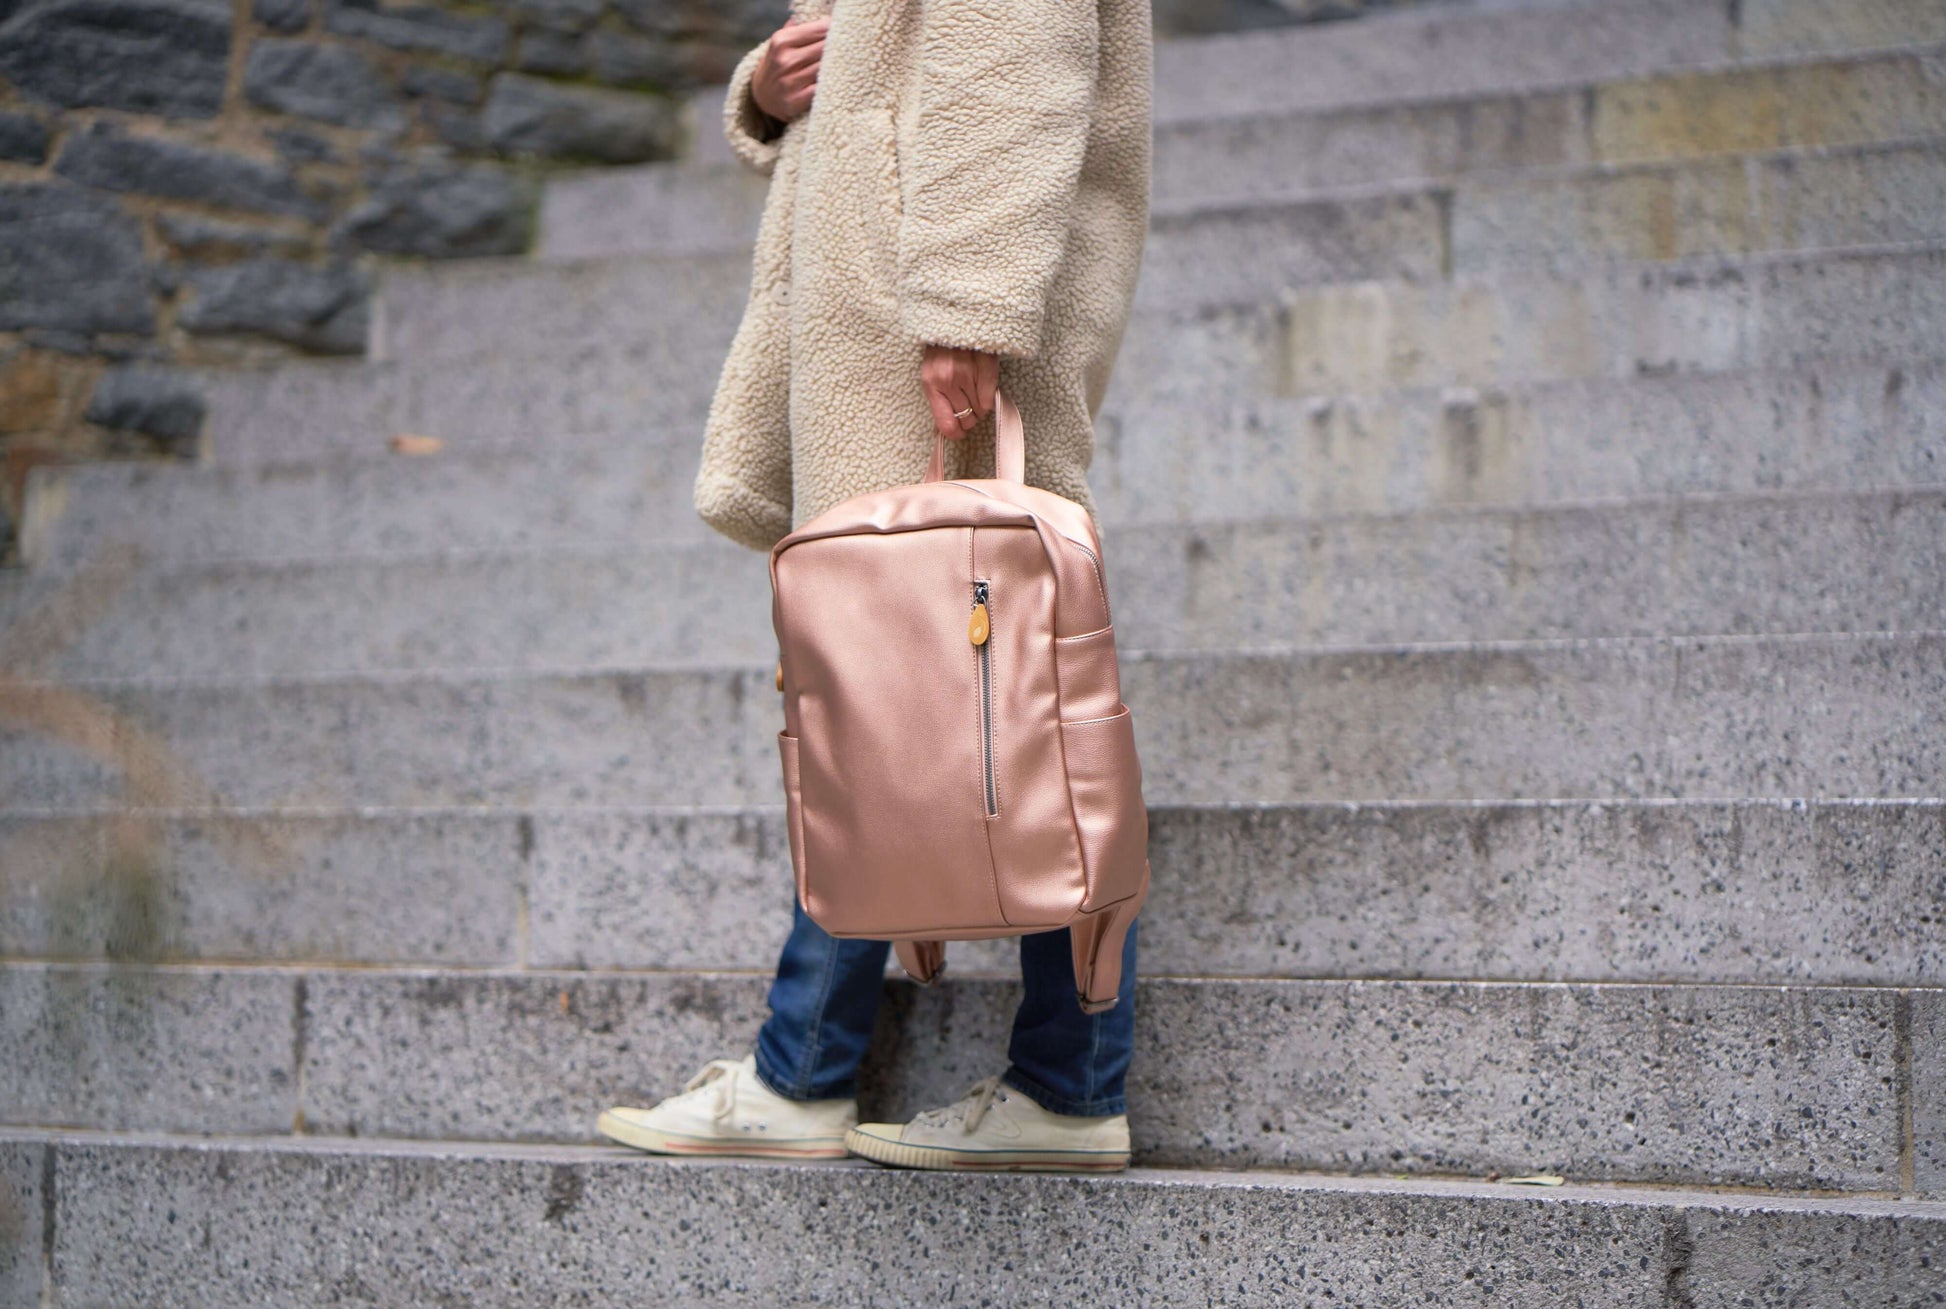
(942, 413)
(797, 62)
(798, 34)
(966, 414)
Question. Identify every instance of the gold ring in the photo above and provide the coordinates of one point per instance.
(964, 413)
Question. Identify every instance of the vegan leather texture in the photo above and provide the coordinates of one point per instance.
(951, 775)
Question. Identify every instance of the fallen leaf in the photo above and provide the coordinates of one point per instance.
(410, 443)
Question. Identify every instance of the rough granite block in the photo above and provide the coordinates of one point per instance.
(1928, 1047)
(510, 1226)
(1783, 1088)
(1621, 718)
(267, 886)
(137, 1048)
(24, 1236)
(507, 1056)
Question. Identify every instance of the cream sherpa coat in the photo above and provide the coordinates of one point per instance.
(974, 173)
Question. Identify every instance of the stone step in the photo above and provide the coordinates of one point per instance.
(1744, 892)
(1783, 1087)
(599, 368)
(1156, 460)
(1203, 254)
(1693, 566)
(1727, 158)
(511, 1225)
(1445, 51)
(1837, 716)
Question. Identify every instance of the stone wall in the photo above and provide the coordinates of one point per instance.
(193, 181)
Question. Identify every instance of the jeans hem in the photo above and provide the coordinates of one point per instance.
(1060, 1104)
(777, 1086)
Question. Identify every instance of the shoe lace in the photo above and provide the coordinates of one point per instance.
(721, 1076)
(968, 1111)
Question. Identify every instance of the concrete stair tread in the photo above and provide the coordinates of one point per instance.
(1548, 890)
(1462, 150)
(1835, 427)
(1853, 309)
(1788, 1087)
(560, 1223)
(1747, 563)
(1845, 715)
(602, 303)
(1446, 51)
(1570, 1191)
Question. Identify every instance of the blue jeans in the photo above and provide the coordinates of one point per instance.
(825, 999)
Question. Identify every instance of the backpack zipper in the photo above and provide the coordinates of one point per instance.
(980, 631)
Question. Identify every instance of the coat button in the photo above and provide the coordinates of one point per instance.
(781, 293)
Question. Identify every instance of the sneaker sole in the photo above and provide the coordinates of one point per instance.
(656, 1141)
(941, 1158)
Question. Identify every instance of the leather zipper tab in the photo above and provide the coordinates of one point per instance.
(977, 629)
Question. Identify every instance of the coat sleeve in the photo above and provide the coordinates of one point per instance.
(991, 164)
(754, 135)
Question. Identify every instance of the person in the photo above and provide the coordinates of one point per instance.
(958, 202)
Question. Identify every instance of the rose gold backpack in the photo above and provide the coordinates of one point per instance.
(958, 762)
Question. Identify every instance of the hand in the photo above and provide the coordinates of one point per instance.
(956, 382)
(787, 75)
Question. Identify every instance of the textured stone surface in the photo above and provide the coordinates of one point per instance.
(561, 1043)
(335, 83)
(1616, 718)
(1525, 175)
(1438, 51)
(664, 208)
(193, 234)
(1875, 195)
(542, 51)
(1705, 892)
(23, 137)
(418, 27)
(282, 15)
(73, 262)
(159, 403)
(525, 115)
(146, 56)
(1928, 1046)
(1785, 1088)
(1249, 255)
(1758, 565)
(193, 1051)
(1162, 455)
(24, 1167)
(1846, 716)
(1507, 327)
(103, 155)
(1647, 891)
(1791, 1089)
(323, 308)
(596, 310)
(504, 1225)
(1775, 312)
(347, 887)
(361, 505)
(445, 213)
(1768, 27)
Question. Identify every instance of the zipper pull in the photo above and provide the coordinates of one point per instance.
(979, 628)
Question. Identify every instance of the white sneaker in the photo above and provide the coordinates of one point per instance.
(996, 1127)
(726, 1110)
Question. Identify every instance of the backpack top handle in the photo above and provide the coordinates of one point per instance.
(1009, 445)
